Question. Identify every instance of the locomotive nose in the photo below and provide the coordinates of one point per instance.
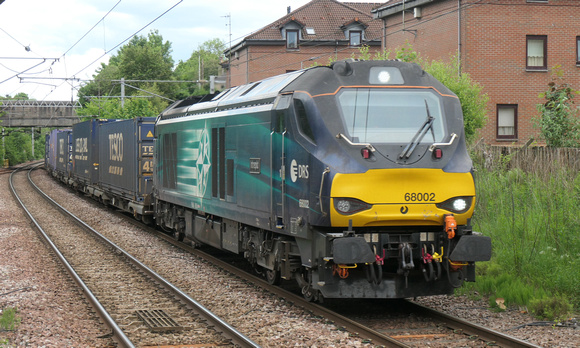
(394, 197)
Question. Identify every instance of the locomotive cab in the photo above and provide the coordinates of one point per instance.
(392, 182)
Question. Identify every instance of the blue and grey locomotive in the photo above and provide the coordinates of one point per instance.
(352, 179)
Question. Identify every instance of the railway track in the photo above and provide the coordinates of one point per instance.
(439, 330)
(139, 307)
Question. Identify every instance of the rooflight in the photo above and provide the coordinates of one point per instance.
(310, 31)
(385, 76)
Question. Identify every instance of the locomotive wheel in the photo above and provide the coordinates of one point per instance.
(311, 295)
(273, 276)
(179, 236)
(147, 219)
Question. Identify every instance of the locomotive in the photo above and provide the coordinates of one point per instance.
(352, 179)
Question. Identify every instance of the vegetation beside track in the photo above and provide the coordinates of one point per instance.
(532, 218)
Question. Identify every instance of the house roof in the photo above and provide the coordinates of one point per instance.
(326, 18)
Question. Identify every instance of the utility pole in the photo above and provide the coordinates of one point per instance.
(32, 136)
(229, 17)
(122, 92)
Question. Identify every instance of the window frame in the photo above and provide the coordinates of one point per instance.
(508, 136)
(294, 31)
(578, 50)
(350, 37)
(544, 66)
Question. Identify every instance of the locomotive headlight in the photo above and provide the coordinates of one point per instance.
(347, 206)
(457, 205)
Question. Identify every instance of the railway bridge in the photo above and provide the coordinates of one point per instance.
(33, 113)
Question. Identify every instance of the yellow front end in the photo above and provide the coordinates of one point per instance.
(401, 197)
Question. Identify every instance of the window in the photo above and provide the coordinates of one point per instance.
(536, 52)
(507, 121)
(577, 50)
(292, 39)
(390, 116)
(355, 37)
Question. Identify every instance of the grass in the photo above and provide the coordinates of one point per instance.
(534, 224)
(9, 319)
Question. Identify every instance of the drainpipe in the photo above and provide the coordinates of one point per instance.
(459, 34)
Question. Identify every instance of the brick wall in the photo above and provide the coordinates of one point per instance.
(493, 49)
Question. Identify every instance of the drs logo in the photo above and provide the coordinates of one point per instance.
(298, 171)
(116, 147)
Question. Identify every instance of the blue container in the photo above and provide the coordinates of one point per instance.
(126, 158)
(85, 152)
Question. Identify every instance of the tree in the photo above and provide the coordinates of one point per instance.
(111, 108)
(558, 121)
(143, 58)
(203, 63)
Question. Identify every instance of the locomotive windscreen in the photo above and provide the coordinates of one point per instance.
(381, 115)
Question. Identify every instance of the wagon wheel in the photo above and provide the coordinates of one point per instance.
(147, 219)
(273, 276)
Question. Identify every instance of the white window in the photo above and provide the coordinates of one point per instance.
(536, 52)
(507, 121)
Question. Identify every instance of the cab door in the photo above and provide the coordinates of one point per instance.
(279, 162)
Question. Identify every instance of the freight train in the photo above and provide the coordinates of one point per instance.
(352, 179)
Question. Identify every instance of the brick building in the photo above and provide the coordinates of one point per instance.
(312, 34)
(508, 46)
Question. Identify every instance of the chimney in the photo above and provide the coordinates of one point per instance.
(289, 9)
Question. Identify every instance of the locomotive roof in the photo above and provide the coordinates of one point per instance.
(256, 93)
(265, 91)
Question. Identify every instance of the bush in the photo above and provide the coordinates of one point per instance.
(551, 308)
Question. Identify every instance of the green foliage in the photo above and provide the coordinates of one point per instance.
(559, 121)
(551, 308)
(143, 58)
(18, 145)
(9, 319)
(534, 230)
(203, 63)
(111, 108)
(470, 93)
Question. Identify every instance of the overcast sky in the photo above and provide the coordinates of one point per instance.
(65, 39)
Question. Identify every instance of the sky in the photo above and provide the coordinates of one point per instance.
(48, 49)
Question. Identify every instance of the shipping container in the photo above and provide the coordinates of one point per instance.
(126, 163)
(85, 155)
(63, 148)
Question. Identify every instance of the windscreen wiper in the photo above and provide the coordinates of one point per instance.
(427, 125)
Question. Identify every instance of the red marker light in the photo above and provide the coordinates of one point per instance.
(365, 153)
(438, 153)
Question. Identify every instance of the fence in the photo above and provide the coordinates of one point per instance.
(543, 161)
